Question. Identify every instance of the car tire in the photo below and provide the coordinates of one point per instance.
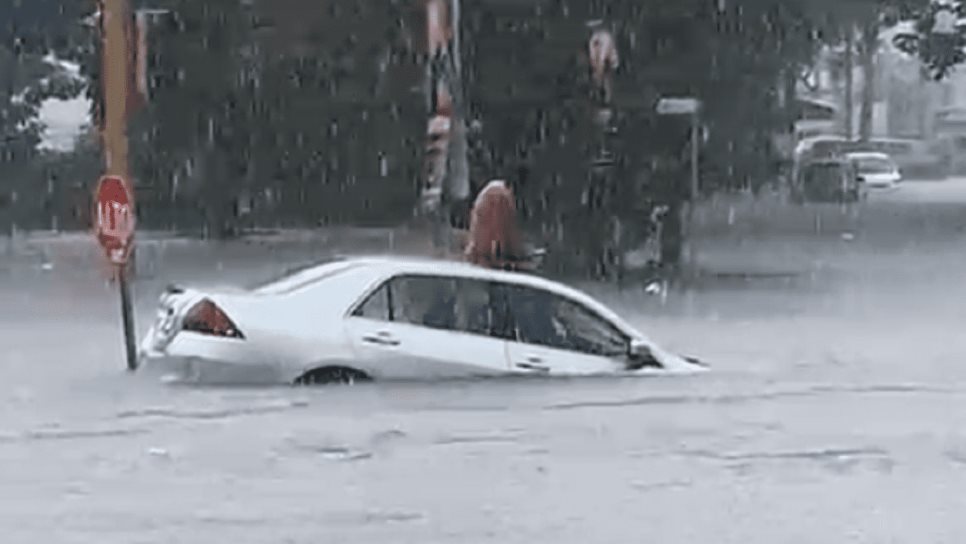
(333, 375)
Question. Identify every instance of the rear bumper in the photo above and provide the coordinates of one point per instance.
(206, 371)
(198, 360)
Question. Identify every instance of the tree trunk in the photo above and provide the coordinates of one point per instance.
(849, 83)
(868, 49)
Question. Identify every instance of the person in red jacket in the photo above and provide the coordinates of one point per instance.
(495, 240)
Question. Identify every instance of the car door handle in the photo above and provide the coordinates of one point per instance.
(381, 339)
(534, 363)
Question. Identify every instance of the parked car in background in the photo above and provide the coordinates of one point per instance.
(814, 148)
(825, 145)
(917, 159)
(875, 170)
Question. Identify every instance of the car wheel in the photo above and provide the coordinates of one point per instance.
(333, 375)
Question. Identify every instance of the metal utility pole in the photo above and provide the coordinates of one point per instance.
(457, 178)
(695, 143)
(690, 107)
(449, 182)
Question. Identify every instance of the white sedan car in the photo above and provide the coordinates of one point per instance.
(876, 170)
(366, 319)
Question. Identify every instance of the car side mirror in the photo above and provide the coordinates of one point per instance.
(637, 348)
(860, 179)
(639, 355)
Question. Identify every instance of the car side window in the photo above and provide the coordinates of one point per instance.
(474, 312)
(589, 333)
(426, 301)
(457, 304)
(377, 306)
(545, 319)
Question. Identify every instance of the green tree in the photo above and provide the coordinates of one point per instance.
(29, 31)
(316, 113)
(940, 49)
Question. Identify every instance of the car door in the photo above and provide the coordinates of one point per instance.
(556, 335)
(428, 326)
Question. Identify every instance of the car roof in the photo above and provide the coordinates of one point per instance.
(868, 155)
(824, 138)
(346, 281)
(395, 265)
(824, 161)
(380, 268)
(897, 140)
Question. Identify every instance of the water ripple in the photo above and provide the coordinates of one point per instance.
(222, 413)
(69, 434)
(753, 397)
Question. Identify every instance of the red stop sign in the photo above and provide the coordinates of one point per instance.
(114, 218)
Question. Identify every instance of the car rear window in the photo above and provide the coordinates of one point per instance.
(827, 172)
(827, 148)
(302, 276)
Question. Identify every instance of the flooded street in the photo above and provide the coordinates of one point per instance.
(834, 412)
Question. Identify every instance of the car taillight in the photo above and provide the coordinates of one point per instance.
(206, 317)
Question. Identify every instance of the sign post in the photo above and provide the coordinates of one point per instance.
(114, 228)
(114, 201)
(692, 108)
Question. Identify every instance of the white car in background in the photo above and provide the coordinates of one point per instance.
(366, 319)
(875, 170)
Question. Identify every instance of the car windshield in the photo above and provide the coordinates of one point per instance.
(875, 165)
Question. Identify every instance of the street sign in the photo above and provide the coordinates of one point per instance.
(678, 106)
(114, 218)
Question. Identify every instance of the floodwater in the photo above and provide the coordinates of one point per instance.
(836, 410)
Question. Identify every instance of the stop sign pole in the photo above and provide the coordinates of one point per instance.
(114, 217)
(114, 222)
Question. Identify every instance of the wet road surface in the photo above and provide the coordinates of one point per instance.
(835, 412)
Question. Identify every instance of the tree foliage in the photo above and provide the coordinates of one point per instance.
(317, 108)
(314, 122)
(29, 31)
(940, 52)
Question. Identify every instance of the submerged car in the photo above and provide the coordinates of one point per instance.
(364, 319)
(876, 170)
